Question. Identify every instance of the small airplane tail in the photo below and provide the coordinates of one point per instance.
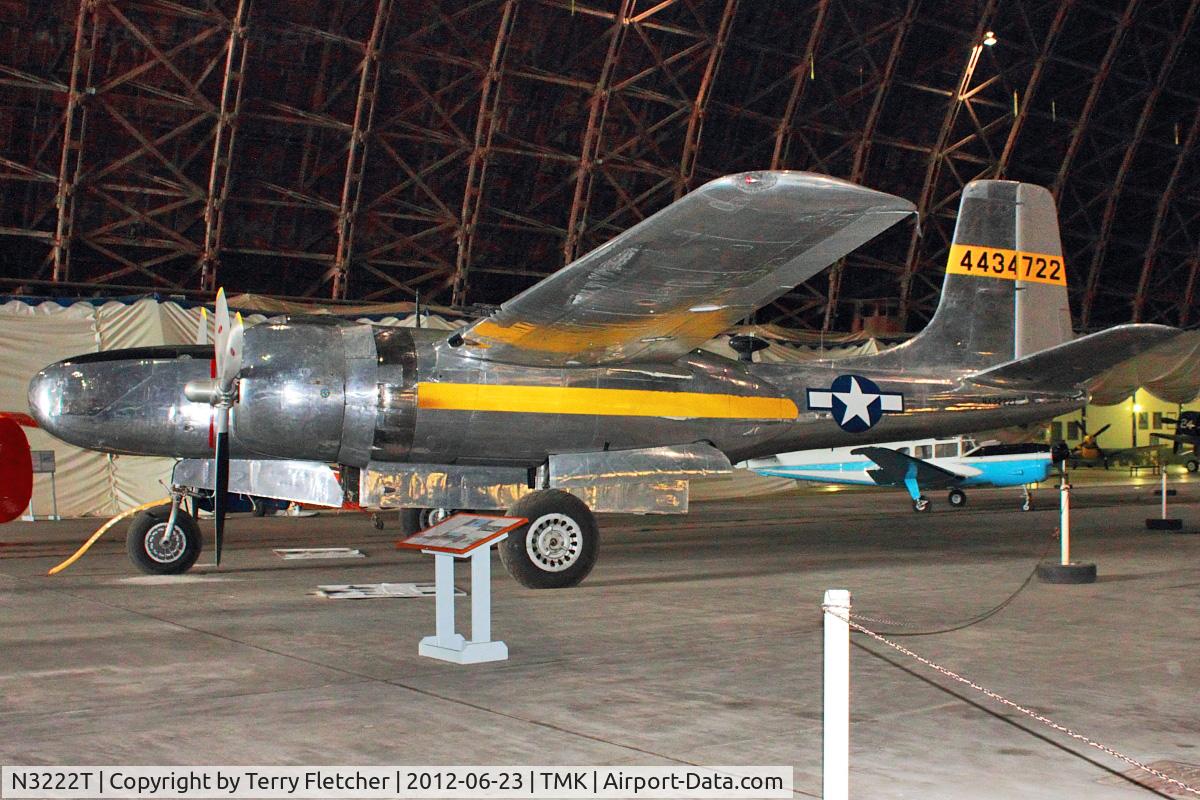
(1005, 291)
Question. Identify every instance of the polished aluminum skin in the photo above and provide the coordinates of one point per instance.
(455, 409)
(301, 481)
(648, 481)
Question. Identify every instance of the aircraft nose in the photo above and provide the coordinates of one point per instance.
(45, 394)
(125, 401)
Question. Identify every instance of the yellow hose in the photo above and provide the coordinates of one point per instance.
(104, 529)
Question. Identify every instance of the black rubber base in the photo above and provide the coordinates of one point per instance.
(1054, 572)
(1160, 524)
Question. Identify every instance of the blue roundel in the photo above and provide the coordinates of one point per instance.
(856, 403)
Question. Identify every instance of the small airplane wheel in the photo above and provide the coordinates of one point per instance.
(957, 498)
(258, 507)
(1027, 505)
(558, 547)
(377, 521)
(1193, 465)
(921, 504)
(415, 520)
(156, 551)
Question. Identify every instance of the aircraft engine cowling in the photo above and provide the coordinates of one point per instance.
(318, 391)
(308, 390)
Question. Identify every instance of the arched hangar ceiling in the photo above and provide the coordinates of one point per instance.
(463, 149)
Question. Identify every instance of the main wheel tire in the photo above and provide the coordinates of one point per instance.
(957, 498)
(155, 552)
(1027, 505)
(921, 504)
(1193, 465)
(558, 547)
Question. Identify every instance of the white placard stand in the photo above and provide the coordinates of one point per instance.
(446, 644)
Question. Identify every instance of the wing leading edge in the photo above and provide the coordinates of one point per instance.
(683, 275)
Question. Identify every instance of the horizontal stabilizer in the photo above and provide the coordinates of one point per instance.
(1076, 362)
(895, 467)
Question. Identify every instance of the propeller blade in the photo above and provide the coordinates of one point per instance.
(229, 358)
(1102, 430)
(202, 327)
(1170, 421)
(1083, 425)
(221, 482)
(221, 320)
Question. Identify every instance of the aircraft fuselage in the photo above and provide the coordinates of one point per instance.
(351, 394)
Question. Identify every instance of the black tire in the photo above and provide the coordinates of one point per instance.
(921, 504)
(173, 557)
(258, 507)
(415, 520)
(957, 498)
(1193, 465)
(559, 545)
(1053, 572)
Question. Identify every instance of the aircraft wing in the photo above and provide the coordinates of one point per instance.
(895, 467)
(680, 277)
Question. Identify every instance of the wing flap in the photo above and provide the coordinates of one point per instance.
(680, 277)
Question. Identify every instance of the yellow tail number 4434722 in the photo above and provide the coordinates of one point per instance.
(1013, 265)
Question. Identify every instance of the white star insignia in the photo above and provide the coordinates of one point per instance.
(857, 402)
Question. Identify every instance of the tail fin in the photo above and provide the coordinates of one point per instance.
(1005, 293)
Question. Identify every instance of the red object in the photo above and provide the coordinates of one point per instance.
(16, 470)
(19, 418)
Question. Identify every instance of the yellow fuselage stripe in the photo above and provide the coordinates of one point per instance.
(603, 402)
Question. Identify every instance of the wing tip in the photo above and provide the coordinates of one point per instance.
(810, 185)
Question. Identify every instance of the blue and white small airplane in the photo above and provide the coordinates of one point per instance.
(952, 463)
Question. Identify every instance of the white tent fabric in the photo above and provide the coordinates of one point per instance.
(95, 484)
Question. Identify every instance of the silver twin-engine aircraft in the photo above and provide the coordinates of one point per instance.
(588, 392)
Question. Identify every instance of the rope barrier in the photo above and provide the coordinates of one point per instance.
(1133, 762)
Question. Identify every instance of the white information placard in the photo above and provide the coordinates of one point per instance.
(462, 533)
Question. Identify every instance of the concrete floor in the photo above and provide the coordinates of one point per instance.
(696, 639)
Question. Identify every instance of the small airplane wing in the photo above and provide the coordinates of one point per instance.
(1078, 361)
(680, 277)
(895, 467)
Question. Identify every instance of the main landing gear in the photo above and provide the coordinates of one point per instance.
(921, 504)
(559, 545)
(555, 549)
(957, 498)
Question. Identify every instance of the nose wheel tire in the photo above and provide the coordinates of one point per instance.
(921, 504)
(957, 498)
(558, 547)
(1193, 465)
(155, 550)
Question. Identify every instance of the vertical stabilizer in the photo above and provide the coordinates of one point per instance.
(1005, 292)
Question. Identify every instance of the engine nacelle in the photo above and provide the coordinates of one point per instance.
(311, 391)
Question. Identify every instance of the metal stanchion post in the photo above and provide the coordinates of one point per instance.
(836, 762)
(1064, 524)
(1065, 571)
(1164, 523)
